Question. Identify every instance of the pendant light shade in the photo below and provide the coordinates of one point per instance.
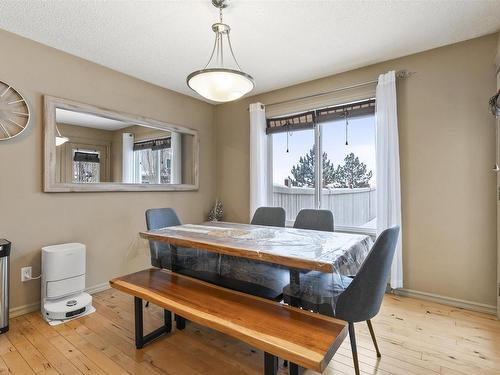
(61, 140)
(220, 85)
(216, 81)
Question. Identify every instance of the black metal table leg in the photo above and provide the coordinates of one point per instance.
(294, 287)
(180, 322)
(294, 369)
(140, 338)
(270, 364)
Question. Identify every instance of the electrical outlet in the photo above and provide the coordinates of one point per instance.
(26, 274)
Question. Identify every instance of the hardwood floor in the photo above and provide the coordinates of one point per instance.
(415, 337)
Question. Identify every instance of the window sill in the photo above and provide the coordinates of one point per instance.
(372, 232)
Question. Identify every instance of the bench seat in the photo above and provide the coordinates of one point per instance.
(301, 337)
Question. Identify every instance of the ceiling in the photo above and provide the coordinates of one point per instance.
(279, 43)
(88, 120)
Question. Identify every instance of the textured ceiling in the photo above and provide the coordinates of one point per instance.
(279, 43)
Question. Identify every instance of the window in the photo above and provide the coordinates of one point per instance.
(86, 166)
(346, 169)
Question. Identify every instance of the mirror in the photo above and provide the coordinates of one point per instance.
(93, 149)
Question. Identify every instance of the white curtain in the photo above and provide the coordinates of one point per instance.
(388, 176)
(176, 161)
(128, 158)
(259, 149)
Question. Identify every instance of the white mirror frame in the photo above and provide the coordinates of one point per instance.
(51, 185)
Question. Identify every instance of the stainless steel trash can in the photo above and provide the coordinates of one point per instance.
(4, 284)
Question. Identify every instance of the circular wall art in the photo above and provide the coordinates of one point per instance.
(14, 112)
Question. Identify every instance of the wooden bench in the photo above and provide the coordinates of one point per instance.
(305, 339)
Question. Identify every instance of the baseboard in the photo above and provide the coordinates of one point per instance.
(449, 301)
(98, 288)
(31, 307)
(24, 309)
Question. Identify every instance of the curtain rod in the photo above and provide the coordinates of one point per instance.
(401, 74)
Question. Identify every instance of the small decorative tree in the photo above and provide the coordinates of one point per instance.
(217, 211)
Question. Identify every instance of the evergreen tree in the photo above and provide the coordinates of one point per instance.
(303, 172)
(353, 174)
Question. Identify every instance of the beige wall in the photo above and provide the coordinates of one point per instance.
(107, 223)
(447, 149)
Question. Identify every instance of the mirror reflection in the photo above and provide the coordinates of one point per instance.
(91, 149)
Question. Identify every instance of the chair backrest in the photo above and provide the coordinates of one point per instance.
(157, 218)
(269, 216)
(315, 220)
(362, 298)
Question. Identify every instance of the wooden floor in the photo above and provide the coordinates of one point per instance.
(415, 337)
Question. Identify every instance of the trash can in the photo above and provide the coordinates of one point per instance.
(4, 284)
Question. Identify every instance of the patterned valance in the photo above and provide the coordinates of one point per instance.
(87, 157)
(306, 120)
(298, 121)
(153, 144)
(358, 109)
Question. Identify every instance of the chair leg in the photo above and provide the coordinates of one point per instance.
(372, 334)
(354, 348)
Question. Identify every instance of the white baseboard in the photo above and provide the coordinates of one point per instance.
(98, 288)
(449, 301)
(24, 309)
(31, 307)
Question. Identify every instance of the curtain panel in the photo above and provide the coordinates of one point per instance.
(260, 190)
(388, 169)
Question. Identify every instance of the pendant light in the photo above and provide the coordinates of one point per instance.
(215, 81)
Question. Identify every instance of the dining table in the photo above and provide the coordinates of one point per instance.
(299, 250)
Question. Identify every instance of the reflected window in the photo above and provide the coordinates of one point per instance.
(86, 166)
(153, 161)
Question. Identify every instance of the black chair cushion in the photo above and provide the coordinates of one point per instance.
(318, 292)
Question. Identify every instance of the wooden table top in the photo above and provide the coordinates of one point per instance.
(302, 337)
(294, 248)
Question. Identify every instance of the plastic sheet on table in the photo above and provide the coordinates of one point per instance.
(340, 253)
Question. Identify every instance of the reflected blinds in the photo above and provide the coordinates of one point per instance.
(88, 157)
(153, 144)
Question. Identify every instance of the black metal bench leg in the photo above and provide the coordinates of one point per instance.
(270, 364)
(140, 339)
(139, 343)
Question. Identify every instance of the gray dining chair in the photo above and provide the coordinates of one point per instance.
(197, 263)
(354, 299)
(314, 220)
(269, 216)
